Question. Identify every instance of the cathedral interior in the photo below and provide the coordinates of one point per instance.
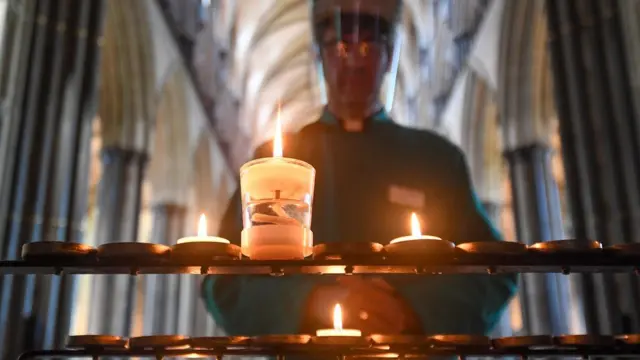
(124, 120)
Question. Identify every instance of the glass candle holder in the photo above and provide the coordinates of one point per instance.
(277, 196)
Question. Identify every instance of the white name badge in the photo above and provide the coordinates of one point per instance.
(406, 197)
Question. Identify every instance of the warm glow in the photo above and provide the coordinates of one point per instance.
(195, 356)
(337, 326)
(277, 139)
(415, 225)
(202, 235)
(202, 226)
(337, 317)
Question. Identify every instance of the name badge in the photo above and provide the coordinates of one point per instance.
(407, 197)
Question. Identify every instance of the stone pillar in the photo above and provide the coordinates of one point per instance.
(126, 104)
(538, 218)
(600, 132)
(161, 309)
(49, 99)
(117, 221)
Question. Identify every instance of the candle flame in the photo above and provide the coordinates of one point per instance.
(277, 140)
(202, 226)
(415, 225)
(337, 317)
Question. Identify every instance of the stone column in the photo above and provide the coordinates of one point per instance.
(49, 98)
(126, 104)
(599, 130)
(162, 310)
(117, 221)
(538, 218)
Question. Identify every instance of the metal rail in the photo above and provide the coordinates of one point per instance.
(460, 263)
(337, 351)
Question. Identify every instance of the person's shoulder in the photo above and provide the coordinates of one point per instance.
(312, 129)
(292, 141)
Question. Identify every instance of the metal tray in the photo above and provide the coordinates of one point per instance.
(56, 249)
(624, 249)
(629, 339)
(212, 342)
(461, 340)
(584, 340)
(96, 341)
(159, 342)
(132, 250)
(573, 245)
(527, 342)
(280, 340)
(494, 247)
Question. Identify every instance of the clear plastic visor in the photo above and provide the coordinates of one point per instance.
(357, 53)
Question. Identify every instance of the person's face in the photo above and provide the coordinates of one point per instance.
(354, 65)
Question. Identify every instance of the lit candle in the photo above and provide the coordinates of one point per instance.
(337, 326)
(202, 234)
(277, 193)
(416, 232)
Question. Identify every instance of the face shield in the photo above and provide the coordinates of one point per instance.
(357, 49)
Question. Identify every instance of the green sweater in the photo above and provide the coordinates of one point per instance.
(367, 185)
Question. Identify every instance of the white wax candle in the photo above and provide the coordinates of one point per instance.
(416, 232)
(337, 327)
(193, 239)
(338, 332)
(414, 238)
(277, 242)
(202, 234)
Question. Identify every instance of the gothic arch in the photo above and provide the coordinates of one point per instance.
(482, 141)
(524, 78)
(170, 166)
(126, 77)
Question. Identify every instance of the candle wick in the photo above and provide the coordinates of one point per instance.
(277, 195)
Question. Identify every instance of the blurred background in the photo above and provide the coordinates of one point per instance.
(123, 120)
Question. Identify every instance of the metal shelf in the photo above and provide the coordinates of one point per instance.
(318, 351)
(587, 262)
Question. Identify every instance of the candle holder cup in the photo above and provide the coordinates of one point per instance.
(277, 194)
(420, 246)
(349, 341)
(205, 251)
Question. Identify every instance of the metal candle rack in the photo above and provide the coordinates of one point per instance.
(562, 256)
(374, 346)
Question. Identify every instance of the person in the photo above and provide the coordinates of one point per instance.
(370, 175)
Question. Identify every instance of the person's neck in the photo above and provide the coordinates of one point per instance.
(352, 118)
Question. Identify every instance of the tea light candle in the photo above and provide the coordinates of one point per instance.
(416, 232)
(337, 327)
(202, 234)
